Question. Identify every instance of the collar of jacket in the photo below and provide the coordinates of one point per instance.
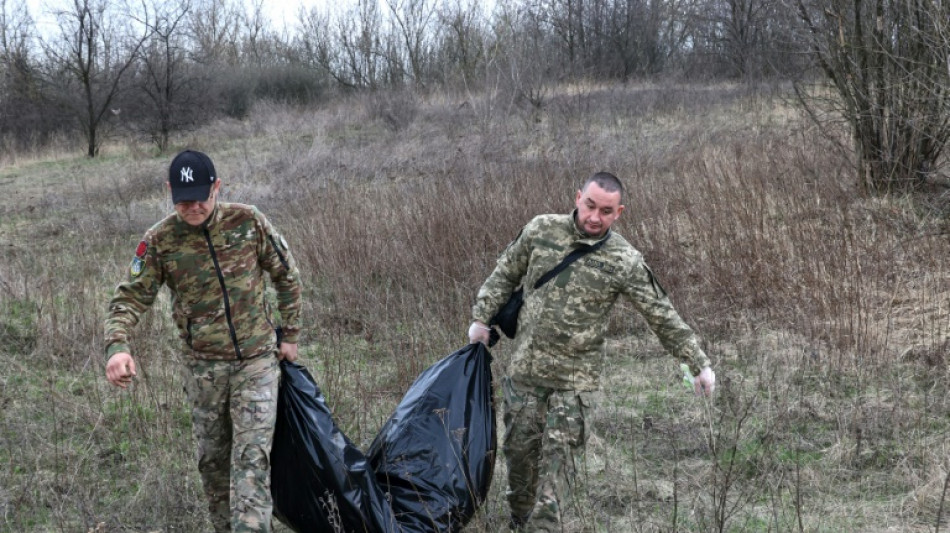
(584, 238)
(214, 218)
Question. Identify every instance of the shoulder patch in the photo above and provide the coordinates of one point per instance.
(137, 266)
(138, 262)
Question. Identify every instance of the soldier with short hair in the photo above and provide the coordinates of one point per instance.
(213, 257)
(561, 338)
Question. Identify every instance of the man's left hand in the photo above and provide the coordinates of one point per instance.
(287, 352)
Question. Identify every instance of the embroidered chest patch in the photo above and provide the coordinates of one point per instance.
(599, 265)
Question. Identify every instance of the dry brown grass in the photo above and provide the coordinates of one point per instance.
(826, 313)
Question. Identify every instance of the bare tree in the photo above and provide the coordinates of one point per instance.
(215, 29)
(312, 43)
(528, 62)
(15, 35)
(462, 39)
(166, 79)
(887, 61)
(612, 38)
(568, 22)
(348, 46)
(260, 43)
(413, 23)
(561, 22)
(20, 92)
(734, 31)
(639, 37)
(745, 38)
(95, 50)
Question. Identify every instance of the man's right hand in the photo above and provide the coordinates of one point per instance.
(120, 369)
(705, 382)
(479, 332)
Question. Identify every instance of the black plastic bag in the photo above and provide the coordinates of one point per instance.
(319, 478)
(428, 470)
(436, 453)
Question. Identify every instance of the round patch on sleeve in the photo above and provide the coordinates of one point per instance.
(141, 250)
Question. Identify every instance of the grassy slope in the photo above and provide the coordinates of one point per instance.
(826, 314)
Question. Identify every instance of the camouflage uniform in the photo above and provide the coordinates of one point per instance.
(216, 276)
(558, 351)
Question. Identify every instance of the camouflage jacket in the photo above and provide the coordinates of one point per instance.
(216, 277)
(563, 324)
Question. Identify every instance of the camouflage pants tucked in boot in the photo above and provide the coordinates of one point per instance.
(234, 409)
(544, 430)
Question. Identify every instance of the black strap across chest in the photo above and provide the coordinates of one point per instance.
(571, 257)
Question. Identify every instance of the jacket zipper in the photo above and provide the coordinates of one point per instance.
(224, 291)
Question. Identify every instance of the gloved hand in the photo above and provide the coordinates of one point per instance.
(479, 332)
(705, 382)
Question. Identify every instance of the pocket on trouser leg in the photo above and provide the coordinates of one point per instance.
(579, 416)
(254, 410)
(254, 403)
(513, 405)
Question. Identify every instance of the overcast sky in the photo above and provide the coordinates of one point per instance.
(282, 13)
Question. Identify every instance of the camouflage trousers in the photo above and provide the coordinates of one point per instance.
(233, 410)
(545, 430)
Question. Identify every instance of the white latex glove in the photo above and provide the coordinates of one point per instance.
(705, 382)
(479, 332)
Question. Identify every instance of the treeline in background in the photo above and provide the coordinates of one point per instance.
(155, 67)
(152, 68)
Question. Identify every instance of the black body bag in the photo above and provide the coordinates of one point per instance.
(429, 468)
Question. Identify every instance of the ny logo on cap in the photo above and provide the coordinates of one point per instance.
(186, 174)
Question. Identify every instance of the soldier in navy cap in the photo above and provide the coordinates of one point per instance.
(213, 257)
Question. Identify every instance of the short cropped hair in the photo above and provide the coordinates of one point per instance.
(606, 181)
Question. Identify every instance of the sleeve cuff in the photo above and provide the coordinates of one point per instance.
(290, 334)
(699, 362)
(113, 349)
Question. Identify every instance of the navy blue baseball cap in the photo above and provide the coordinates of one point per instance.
(191, 176)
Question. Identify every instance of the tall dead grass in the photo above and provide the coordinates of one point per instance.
(826, 313)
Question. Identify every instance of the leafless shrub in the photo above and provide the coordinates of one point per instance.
(394, 109)
(886, 64)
